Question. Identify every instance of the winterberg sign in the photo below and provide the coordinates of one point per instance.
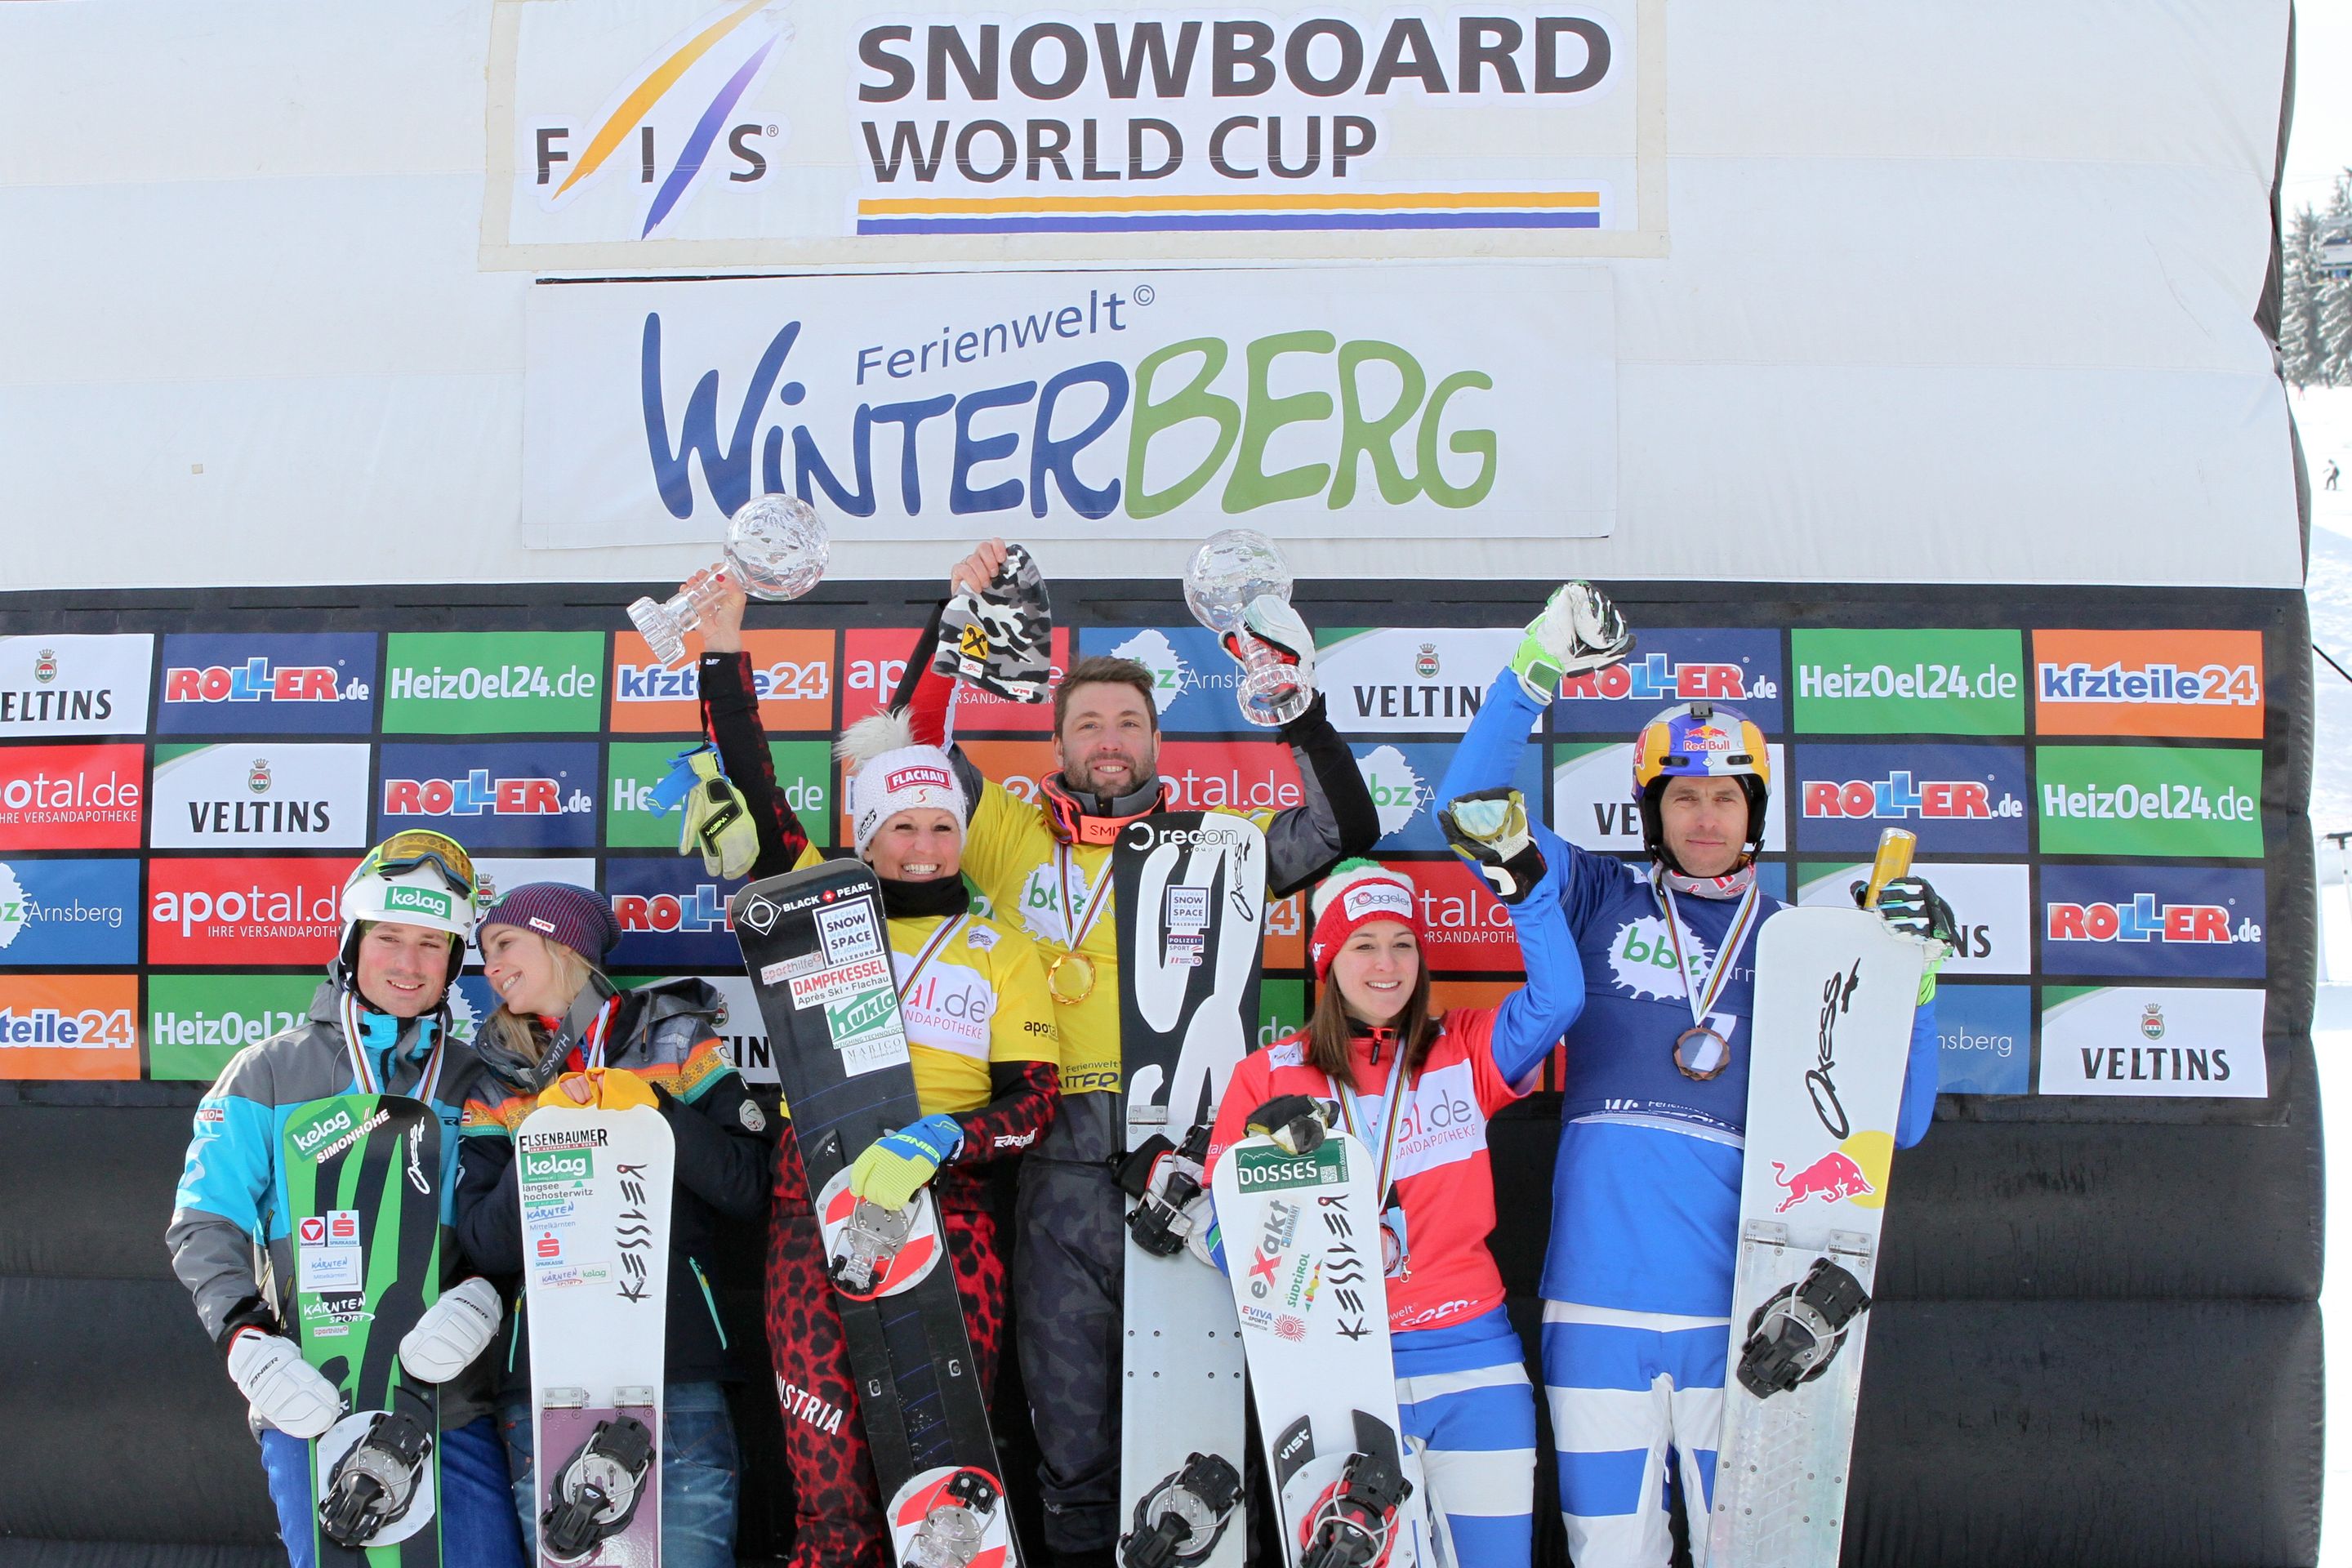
(641, 132)
(1370, 402)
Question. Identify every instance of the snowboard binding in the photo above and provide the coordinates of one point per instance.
(1353, 1525)
(954, 1531)
(870, 1239)
(599, 1489)
(1165, 1181)
(1795, 1334)
(1180, 1521)
(373, 1485)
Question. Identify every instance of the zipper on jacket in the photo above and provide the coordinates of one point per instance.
(709, 1300)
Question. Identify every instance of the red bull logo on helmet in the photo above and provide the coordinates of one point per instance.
(1704, 738)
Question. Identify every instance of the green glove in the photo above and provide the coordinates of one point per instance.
(718, 820)
(894, 1168)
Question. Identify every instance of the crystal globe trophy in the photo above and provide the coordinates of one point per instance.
(776, 549)
(1228, 573)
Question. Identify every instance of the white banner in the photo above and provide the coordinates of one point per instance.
(259, 794)
(76, 684)
(2169, 1042)
(640, 133)
(1390, 404)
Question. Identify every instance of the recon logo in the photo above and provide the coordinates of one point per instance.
(758, 914)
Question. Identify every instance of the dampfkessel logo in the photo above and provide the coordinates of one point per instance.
(673, 120)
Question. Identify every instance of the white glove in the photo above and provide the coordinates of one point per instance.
(1272, 621)
(285, 1391)
(1579, 631)
(452, 1331)
(1202, 1239)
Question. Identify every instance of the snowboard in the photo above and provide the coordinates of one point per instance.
(817, 948)
(1831, 1036)
(1190, 891)
(1303, 1249)
(594, 1188)
(363, 1182)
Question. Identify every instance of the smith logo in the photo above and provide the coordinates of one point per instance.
(257, 680)
(477, 792)
(2143, 919)
(1896, 795)
(1657, 679)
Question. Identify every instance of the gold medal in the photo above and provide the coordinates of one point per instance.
(1080, 984)
(1710, 1053)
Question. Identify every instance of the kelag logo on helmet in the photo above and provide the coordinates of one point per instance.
(75, 685)
(493, 797)
(492, 683)
(244, 911)
(255, 794)
(70, 797)
(268, 683)
(1674, 664)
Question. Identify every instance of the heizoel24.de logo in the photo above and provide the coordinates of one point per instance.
(1910, 682)
(669, 127)
(492, 683)
(2149, 800)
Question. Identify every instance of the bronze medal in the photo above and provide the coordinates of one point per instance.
(1704, 1058)
(1070, 978)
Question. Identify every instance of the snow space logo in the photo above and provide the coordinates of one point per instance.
(14, 909)
(1398, 790)
(682, 97)
(1641, 956)
(1171, 676)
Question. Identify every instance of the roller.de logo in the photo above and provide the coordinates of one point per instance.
(2143, 919)
(1657, 679)
(1899, 796)
(257, 680)
(477, 792)
(670, 914)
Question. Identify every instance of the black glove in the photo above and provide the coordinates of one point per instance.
(1293, 1121)
(1488, 827)
(1910, 905)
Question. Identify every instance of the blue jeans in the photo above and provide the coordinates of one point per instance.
(701, 1474)
(477, 1523)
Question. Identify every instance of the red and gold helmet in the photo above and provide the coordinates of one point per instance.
(1698, 740)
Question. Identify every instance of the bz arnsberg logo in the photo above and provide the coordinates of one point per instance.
(667, 120)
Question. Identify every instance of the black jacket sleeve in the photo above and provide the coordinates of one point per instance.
(731, 718)
(1024, 1098)
(489, 1209)
(1335, 821)
(724, 1147)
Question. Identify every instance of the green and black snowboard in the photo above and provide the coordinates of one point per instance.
(363, 1179)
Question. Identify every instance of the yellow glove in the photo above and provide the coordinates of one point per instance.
(605, 1089)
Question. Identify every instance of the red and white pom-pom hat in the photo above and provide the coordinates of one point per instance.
(894, 774)
(1353, 896)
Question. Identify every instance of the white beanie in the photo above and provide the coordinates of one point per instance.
(891, 773)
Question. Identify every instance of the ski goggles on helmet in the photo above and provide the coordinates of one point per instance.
(416, 848)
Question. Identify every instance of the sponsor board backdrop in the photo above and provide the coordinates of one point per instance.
(2109, 793)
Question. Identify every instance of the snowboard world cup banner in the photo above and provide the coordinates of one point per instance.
(627, 134)
(1418, 402)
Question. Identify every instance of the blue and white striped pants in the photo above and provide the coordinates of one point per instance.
(1625, 1389)
(1463, 1391)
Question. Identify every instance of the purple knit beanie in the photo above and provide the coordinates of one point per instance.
(581, 919)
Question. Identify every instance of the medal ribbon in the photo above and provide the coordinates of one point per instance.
(1352, 1112)
(589, 1054)
(930, 949)
(1702, 999)
(1075, 926)
(363, 1071)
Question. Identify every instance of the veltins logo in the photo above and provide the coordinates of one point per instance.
(1389, 681)
(75, 685)
(236, 796)
(668, 128)
(2207, 1041)
(2197, 683)
(1941, 682)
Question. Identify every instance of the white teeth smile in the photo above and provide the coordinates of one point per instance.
(920, 869)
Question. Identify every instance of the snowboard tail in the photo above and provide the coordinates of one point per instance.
(816, 944)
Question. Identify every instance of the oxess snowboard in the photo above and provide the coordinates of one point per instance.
(818, 952)
(1303, 1248)
(596, 1193)
(1835, 991)
(1191, 888)
(363, 1179)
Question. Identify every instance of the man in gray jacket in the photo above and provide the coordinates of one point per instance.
(379, 1025)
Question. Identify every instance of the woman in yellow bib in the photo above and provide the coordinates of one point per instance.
(981, 1031)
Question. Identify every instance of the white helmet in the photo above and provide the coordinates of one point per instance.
(415, 878)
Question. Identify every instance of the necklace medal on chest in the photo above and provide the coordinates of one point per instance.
(1700, 1053)
(1070, 974)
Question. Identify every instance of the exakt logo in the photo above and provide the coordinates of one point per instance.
(1657, 679)
(477, 792)
(2143, 919)
(719, 58)
(1896, 795)
(257, 680)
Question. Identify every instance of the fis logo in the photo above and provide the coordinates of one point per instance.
(2144, 920)
(257, 681)
(1658, 679)
(1898, 796)
(478, 793)
(703, 910)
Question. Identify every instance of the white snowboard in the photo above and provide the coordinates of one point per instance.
(1835, 991)
(1184, 1385)
(1302, 1243)
(595, 1191)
